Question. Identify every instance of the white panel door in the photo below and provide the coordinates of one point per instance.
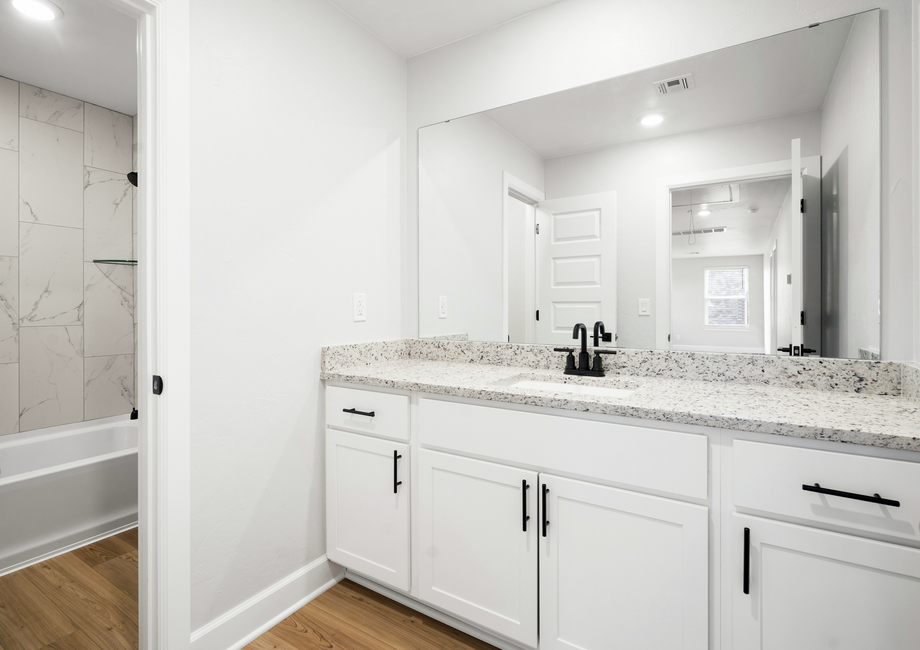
(810, 588)
(367, 506)
(478, 550)
(622, 570)
(797, 293)
(576, 265)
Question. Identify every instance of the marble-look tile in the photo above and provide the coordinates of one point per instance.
(108, 317)
(106, 216)
(50, 275)
(9, 202)
(50, 175)
(108, 386)
(9, 114)
(50, 376)
(48, 107)
(9, 309)
(107, 139)
(9, 398)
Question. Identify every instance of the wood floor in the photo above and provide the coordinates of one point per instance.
(83, 600)
(87, 600)
(350, 617)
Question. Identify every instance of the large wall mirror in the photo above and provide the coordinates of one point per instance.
(729, 202)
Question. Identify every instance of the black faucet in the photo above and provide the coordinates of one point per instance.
(583, 359)
(599, 333)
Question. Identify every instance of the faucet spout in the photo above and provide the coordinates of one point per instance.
(583, 360)
(599, 332)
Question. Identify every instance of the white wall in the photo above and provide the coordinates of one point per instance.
(577, 42)
(298, 155)
(460, 174)
(688, 306)
(850, 202)
(632, 169)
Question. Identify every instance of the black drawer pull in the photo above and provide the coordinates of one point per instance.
(746, 578)
(369, 414)
(396, 483)
(524, 488)
(545, 520)
(875, 498)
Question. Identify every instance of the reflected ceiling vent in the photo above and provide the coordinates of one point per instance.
(679, 84)
(700, 231)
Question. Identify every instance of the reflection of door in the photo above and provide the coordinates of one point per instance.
(774, 288)
(576, 265)
(805, 242)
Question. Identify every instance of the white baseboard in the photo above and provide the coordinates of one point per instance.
(436, 614)
(715, 348)
(267, 608)
(68, 543)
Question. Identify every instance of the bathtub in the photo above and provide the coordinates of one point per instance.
(65, 487)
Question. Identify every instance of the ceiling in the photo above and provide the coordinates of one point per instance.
(411, 27)
(781, 75)
(747, 234)
(89, 54)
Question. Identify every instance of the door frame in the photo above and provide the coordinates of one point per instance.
(163, 304)
(663, 187)
(515, 187)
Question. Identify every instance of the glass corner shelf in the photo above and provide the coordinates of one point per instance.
(122, 262)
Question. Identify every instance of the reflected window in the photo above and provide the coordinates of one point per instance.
(727, 297)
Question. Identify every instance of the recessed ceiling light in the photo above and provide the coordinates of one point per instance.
(39, 9)
(752, 210)
(651, 120)
(704, 213)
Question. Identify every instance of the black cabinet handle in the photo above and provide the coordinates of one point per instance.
(875, 498)
(396, 483)
(545, 520)
(369, 414)
(746, 588)
(524, 488)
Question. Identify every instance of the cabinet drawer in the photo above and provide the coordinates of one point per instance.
(655, 459)
(771, 477)
(390, 417)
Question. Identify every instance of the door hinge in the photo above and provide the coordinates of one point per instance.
(538, 314)
(538, 229)
(802, 206)
(802, 318)
(669, 338)
(157, 385)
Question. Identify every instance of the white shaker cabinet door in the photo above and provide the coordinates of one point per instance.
(367, 506)
(478, 549)
(809, 588)
(621, 570)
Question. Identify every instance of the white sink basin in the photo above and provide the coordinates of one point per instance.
(574, 389)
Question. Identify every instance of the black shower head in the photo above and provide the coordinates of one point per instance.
(132, 178)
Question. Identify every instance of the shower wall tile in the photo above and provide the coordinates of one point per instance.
(9, 310)
(108, 386)
(48, 107)
(9, 202)
(50, 175)
(107, 139)
(50, 376)
(9, 404)
(106, 216)
(109, 312)
(50, 275)
(9, 114)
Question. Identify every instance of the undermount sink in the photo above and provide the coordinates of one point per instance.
(573, 389)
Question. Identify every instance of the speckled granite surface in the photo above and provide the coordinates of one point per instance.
(849, 410)
(910, 381)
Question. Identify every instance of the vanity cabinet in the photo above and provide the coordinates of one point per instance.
(478, 542)
(368, 485)
(620, 569)
(800, 588)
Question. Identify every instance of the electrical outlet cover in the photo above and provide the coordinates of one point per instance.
(360, 307)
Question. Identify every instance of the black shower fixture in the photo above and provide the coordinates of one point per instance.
(132, 178)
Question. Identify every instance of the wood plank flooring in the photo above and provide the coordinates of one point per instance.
(351, 617)
(82, 600)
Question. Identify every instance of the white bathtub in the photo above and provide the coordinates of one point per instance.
(64, 487)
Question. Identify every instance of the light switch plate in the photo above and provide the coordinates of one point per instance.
(644, 307)
(360, 307)
(442, 307)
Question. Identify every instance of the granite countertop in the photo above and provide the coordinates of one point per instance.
(891, 422)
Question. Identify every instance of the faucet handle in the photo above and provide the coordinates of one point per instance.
(570, 357)
(603, 351)
(563, 349)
